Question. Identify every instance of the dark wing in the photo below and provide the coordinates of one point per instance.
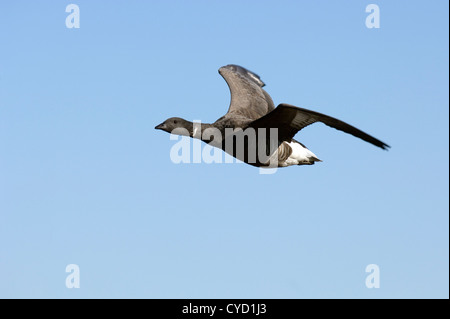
(248, 98)
(289, 119)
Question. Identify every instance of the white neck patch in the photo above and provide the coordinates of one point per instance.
(197, 127)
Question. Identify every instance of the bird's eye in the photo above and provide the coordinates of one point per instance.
(175, 122)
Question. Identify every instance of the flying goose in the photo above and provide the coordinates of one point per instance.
(252, 107)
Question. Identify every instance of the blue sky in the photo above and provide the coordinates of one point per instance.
(86, 180)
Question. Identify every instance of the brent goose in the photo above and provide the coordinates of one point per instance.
(252, 107)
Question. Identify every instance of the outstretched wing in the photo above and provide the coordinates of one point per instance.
(289, 119)
(248, 98)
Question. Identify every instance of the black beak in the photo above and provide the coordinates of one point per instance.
(160, 126)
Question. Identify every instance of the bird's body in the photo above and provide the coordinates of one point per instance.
(264, 134)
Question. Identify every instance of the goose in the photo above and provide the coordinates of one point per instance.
(252, 109)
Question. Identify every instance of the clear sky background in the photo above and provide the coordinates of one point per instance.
(85, 179)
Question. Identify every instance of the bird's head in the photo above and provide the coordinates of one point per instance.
(176, 125)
